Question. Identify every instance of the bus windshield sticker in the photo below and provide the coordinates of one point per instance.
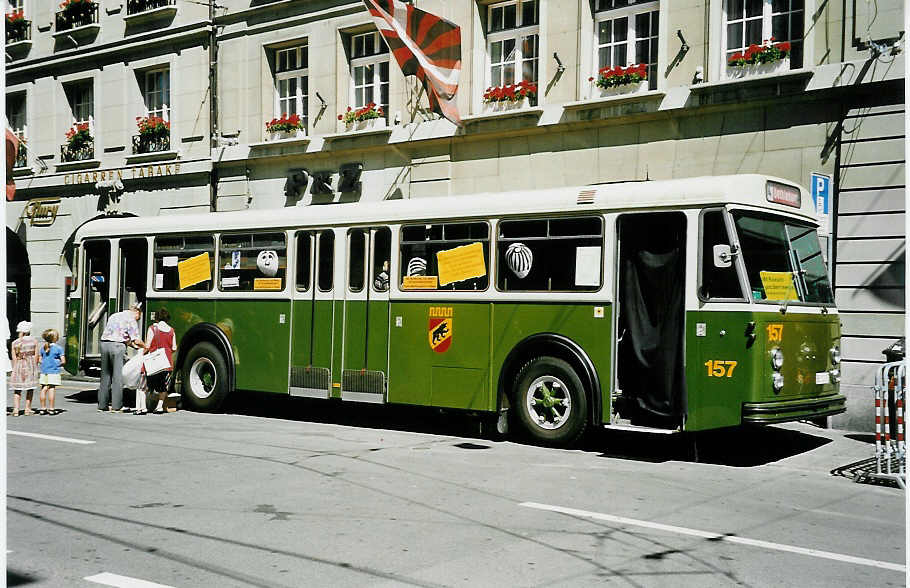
(170, 261)
(778, 285)
(440, 331)
(419, 283)
(775, 333)
(159, 281)
(461, 263)
(233, 282)
(194, 270)
(267, 284)
(587, 266)
(235, 260)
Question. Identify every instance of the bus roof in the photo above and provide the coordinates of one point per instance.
(746, 189)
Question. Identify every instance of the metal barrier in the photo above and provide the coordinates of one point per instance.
(890, 449)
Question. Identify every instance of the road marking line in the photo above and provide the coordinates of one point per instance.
(719, 537)
(49, 437)
(109, 579)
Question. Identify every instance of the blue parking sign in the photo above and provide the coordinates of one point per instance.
(821, 192)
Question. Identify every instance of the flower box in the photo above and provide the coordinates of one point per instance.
(369, 124)
(282, 135)
(757, 69)
(623, 89)
(508, 98)
(504, 105)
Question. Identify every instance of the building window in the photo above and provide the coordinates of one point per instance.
(753, 22)
(291, 83)
(16, 117)
(513, 42)
(157, 93)
(81, 96)
(369, 71)
(626, 34)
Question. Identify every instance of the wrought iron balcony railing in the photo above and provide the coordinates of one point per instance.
(139, 6)
(77, 17)
(21, 154)
(21, 31)
(149, 144)
(69, 154)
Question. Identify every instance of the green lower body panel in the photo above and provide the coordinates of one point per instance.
(791, 410)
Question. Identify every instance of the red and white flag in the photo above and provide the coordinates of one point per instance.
(12, 148)
(425, 46)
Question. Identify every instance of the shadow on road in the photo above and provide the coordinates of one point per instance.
(14, 578)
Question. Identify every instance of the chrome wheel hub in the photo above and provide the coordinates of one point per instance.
(548, 402)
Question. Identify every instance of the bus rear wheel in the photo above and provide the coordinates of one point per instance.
(205, 377)
(550, 401)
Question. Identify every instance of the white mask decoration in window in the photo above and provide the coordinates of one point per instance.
(267, 262)
(520, 259)
(417, 266)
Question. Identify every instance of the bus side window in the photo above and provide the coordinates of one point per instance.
(357, 249)
(326, 257)
(716, 282)
(382, 256)
(304, 261)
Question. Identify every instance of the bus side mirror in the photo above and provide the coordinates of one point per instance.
(723, 256)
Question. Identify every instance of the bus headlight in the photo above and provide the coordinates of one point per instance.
(777, 381)
(835, 355)
(777, 358)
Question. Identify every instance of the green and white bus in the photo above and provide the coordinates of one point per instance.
(678, 305)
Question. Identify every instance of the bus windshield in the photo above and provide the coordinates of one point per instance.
(783, 259)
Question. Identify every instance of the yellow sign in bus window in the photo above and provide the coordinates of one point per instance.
(419, 283)
(779, 285)
(267, 284)
(461, 263)
(194, 270)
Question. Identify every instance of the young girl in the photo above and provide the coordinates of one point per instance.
(159, 336)
(25, 367)
(52, 360)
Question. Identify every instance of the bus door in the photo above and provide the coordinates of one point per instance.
(95, 298)
(650, 352)
(133, 273)
(312, 315)
(366, 315)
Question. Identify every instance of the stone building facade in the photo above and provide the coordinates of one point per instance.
(834, 111)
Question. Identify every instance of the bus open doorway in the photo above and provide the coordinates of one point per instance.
(649, 389)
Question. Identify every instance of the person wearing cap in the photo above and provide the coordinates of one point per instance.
(25, 367)
(121, 329)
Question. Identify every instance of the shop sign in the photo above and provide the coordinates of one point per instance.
(42, 212)
(130, 173)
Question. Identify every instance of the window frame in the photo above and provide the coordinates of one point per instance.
(402, 267)
(376, 59)
(164, 112)
(301, 99)
(75, 91)
(20, 132)
(219, 268)
(736, 266)
(767, 30)
(583, 291)
(215, 238)
(515, 34)
(630, 12)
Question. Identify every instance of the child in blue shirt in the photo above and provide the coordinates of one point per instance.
(51, 359)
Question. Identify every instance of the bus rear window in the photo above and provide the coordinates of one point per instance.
(252, 262)
(452, 256)
(783, 259)
(544, 255)
(172, 274)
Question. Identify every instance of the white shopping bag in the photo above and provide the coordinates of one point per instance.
(131, 371)
(156, 362)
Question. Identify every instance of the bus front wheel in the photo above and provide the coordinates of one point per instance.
(550, 401)
(205, 377)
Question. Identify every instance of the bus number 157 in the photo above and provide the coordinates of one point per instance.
(718, 368)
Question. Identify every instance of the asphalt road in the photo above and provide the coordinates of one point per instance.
(289, 492)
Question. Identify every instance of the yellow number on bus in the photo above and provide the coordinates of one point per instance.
(720, 368)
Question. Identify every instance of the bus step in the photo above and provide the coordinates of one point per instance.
(640, 429)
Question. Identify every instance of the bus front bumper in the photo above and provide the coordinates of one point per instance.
(793, 410)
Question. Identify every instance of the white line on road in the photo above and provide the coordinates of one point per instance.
(719, 537)
(109, 579)
(50, 437)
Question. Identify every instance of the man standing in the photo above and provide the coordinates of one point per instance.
(122, 329)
